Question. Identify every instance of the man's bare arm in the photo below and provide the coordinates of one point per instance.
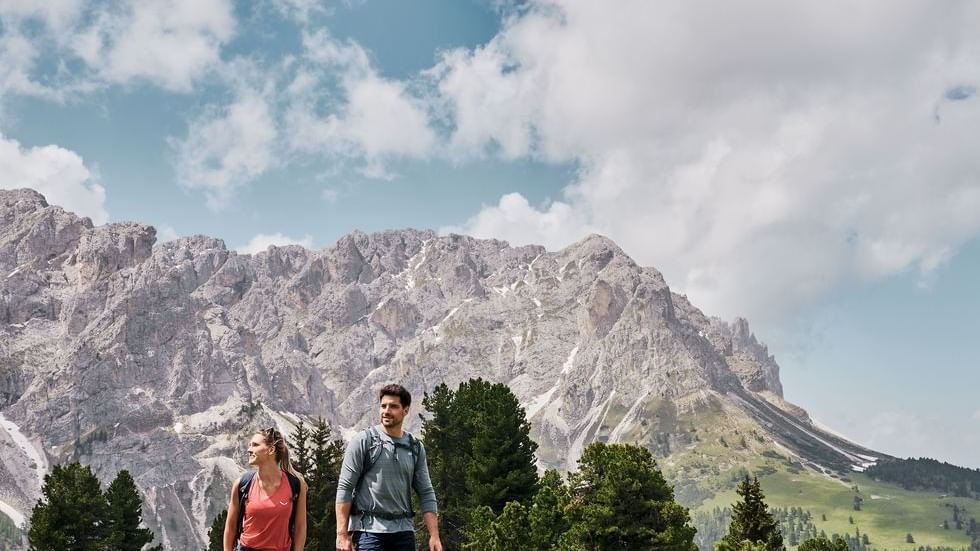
(344, 542)
(432, 525)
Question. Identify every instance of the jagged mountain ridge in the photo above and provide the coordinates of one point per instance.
(155, 357)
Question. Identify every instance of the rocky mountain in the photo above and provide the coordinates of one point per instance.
(160, 358)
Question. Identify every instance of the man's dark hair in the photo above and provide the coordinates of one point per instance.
(396, 390)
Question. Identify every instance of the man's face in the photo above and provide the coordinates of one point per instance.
(392, 412)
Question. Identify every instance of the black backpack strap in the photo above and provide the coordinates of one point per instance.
(244, 484)
(294, 485)
(416, 447)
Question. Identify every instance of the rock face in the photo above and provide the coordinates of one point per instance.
(160, 358)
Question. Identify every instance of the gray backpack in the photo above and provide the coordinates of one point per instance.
(375, 448)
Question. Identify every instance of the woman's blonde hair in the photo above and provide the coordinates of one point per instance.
(277, 441)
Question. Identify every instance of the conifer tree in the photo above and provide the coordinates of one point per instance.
(546, 516)
(476, 532)
(620, 500)
(216, 534)
(443, 436)
(824, 544)
(501, 466)
(479, 452)
(299, 453)
(326, 457)
(510, 529)
(125, 515)
(71, 512)
(751, 520)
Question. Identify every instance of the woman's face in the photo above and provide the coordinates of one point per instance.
(259, 451)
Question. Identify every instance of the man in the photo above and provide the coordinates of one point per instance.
(374, 495)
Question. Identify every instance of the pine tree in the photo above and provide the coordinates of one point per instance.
(909, 538)
(125, 515)
(71, 512)
(445, 450)
(477, 531)
(326, 456)
(299, 453)
(546, 517)
(751, 520)
(479, 452)
(501, 465)
(620, 500)
(510, 528)
(216, 534)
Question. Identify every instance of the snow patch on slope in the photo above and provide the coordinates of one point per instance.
(570, 361)
(594, 416)
(25, 445)
(14, 514)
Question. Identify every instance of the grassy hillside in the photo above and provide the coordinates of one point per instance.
(718, 446)
(888, 513)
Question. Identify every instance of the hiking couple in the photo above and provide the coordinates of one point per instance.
(382, 464)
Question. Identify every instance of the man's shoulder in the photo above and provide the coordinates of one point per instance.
(364, 436)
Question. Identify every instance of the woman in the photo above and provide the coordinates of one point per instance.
(267, 509)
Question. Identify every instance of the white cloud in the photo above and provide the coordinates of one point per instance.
(376, 120)
(56, 14)
(758, 165)
(226, 148)
(166, 232)
(170, 43)
(57, 173)
(330, 105)
(263, 241)
(514, 217)
(300, 10)
(976, 415)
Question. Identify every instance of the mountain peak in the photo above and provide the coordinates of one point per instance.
(114, 341)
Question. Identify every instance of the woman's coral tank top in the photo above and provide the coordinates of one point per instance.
(267, 517)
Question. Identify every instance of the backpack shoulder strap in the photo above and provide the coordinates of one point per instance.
(294, 485)
(373, 453)
(244, 484)
(416, 446)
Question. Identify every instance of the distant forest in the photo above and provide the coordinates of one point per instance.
(928, 474)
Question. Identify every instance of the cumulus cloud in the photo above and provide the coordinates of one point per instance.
(757, 165)
(299, 10)
(166, 232)
(170, 43)
(227, 147)
(57, 173)
(329, 105)
(263, 241)
(88, 45)
(57, 14)
(377, 118)
(514, 216)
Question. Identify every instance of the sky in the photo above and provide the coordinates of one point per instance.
(811, 167)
